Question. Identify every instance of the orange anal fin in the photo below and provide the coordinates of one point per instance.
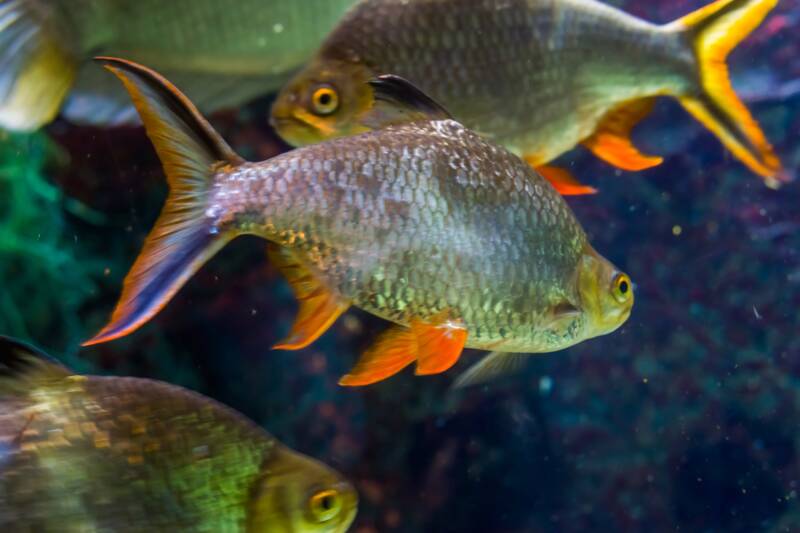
(319, 307)
(394, 350)
(563, 181)
(611, 140)
(438, 347)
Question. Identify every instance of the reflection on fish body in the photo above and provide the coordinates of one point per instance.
(90, 453)
(224, 53)
(427, 224)
(538, 76)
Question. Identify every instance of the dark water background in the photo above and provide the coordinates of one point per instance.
(687, 419)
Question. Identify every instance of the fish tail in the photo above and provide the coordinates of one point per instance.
(36, 69)
(185, 235)
(714, 31)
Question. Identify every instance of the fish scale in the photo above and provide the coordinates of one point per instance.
(512, 43)
(91, 453)
(502, 232)
(537, 76)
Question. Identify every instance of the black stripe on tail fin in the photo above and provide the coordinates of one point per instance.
(184, 236)
(713, 32)
(22, 366)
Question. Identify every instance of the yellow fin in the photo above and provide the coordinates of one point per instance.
(319, 307)
(23, 368)
(563, 181)
(36, 71)
(714, 31)
(611, 140)
(435, 347)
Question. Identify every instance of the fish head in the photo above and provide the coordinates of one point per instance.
(297, 494)
(324, 101)
(606, 294)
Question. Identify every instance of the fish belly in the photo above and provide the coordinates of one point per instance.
(247, 36)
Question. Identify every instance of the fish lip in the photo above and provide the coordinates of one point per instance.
(276, 120)
(280, 122)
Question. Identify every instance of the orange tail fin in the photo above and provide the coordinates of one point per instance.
(184, 236)
(714, 31)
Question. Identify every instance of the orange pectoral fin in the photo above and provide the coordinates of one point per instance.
(394, 350)
(319, 307)
(611, 140)
(563, 181)
(439, 347)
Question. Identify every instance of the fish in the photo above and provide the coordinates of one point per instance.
(223, 53)
(104, 453)
(537, 76)
(454, 240)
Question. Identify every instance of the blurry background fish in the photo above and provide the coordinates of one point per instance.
(91, 453)
(222, 53)
(538, 77)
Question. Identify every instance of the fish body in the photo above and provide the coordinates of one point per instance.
(537, 76)
(91, 453)
(418, 220)
(222, 53)
(427, 224)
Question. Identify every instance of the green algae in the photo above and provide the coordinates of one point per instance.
(44, 278)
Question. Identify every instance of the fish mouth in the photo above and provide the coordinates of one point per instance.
(282, 121)
(293, 129)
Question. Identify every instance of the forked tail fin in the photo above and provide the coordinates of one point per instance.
(713, 32)
(36, 70)
(185, 235)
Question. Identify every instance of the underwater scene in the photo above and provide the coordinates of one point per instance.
(495, 266)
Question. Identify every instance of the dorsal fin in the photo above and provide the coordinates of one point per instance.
(22, 366)
(398, 101)
(402, 93)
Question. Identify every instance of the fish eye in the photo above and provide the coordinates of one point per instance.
(325, 100)
(325, 505)
(622, 287)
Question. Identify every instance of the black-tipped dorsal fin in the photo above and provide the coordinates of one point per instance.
(398, 101)
(400, 92)
(22, 366)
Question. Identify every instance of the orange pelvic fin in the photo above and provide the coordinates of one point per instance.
(394, 350)
(319, 307)
(439, 347)
(435, 348)
(611, 141)
(563, 181)
(715, 30)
